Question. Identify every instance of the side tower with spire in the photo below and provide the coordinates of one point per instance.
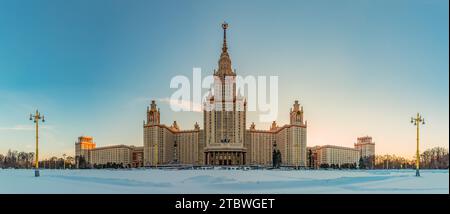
(153, 114)
(296, 114)
(288, 140)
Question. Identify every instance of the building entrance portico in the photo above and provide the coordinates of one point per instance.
(225, 158)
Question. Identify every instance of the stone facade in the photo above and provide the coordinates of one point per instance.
(337, 155)
(365, 146)
(128, 156)
(224, 139)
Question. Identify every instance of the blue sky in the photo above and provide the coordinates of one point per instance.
(358, 67)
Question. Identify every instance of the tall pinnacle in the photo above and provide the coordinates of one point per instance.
(224, 26)
(224, 61)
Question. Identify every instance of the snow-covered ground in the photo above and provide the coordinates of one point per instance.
(224, 181)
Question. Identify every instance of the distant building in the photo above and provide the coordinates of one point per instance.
(87, 152)
(138, 157)
(329, 154)
(82, 147)
(337, 155)
(365, 146)
(118, 154)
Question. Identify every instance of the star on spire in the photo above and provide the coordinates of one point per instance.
(224, 61)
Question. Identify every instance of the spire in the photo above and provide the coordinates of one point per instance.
(224, 61)
(153, 105)
(153, 114)
(224, 27)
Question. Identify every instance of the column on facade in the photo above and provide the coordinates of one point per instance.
(217, 158)
(233, 161)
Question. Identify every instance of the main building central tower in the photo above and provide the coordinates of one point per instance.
(224, 115)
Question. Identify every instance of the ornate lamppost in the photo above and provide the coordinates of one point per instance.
(35, 118)
(417, 120)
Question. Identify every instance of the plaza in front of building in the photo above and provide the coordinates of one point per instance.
(224, 181)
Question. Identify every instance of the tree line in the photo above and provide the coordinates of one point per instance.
(434, 158)
(15, 159)
(25, 160)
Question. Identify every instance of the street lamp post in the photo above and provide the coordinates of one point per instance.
(36, 117)
(419, 119)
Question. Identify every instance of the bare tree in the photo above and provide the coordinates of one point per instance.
(2, 161)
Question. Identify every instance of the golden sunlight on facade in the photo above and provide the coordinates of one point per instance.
(224, 139)
(87, 153)
(339, 155)
(165, 145)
